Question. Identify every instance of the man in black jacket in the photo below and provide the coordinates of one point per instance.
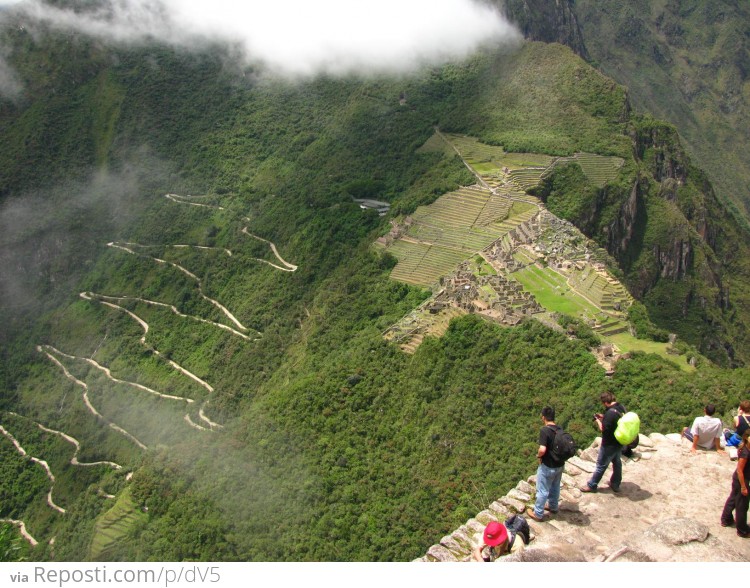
(610, 449)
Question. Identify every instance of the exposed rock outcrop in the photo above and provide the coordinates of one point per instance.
(667, 510)
(550, 22)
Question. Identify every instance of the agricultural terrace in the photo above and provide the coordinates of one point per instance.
(115, 524)
(456, 226)
(524, 171)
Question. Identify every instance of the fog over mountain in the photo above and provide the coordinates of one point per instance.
(294, 37)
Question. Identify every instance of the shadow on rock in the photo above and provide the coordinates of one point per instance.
(632, 492)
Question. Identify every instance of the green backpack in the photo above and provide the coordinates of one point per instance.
(628, 428)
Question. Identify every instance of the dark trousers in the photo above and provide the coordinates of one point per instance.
(739, 504)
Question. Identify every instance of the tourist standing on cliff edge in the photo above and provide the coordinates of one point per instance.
(550, 470)
(610, 450)
(739, 499)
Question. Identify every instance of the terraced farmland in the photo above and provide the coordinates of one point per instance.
(598, 168)
(605, 292)
(456, 226)
(113, 525)
(471, 148)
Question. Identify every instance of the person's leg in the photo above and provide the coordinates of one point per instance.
(726, 514)
(740, 514)
(616, 479)
(554, 492)
(544, 476)
(606, 453)
(687, 434)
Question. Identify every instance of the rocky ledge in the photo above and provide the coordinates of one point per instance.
(668, 510)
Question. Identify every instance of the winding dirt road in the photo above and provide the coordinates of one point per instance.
(22, 528)
(126, 247)
(73, 460)
(90, 296)
(41, 462)
(87, 402)
(184, 200)
(289, 267)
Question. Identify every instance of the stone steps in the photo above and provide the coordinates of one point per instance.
(555, 539)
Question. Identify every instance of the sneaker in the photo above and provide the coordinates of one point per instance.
(743, 535)
(587, 488)
(548, 509)
(727, 523)
(616, 490)
(530, 513)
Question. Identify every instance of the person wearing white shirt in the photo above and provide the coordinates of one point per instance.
(706, 430)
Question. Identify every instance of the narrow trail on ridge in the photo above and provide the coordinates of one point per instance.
(73, 441)
(41, 462)
(22, 529)
(216, 303)
(87, 402)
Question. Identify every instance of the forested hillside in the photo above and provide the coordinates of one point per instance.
(194, 312)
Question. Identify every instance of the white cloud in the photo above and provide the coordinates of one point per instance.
(300, 37)
(10, 85)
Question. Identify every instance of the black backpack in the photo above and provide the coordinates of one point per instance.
(563, 446)
(517, 525)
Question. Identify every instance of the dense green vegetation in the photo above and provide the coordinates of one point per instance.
(335, 445)
(685, 62)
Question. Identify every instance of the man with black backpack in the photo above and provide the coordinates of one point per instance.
(555, 446)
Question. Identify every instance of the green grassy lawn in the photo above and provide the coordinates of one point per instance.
(553, 293)
(627, 343)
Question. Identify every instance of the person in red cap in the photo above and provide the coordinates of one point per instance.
(497, 542)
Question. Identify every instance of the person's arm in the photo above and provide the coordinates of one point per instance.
(695, 443)
(476, 553)
(541, 451)
(717, 444)
(741, 474)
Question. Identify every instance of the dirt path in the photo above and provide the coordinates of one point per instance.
(476, 174)
(184, 200)
(87, 402)
(41, 462)
(289, 267)
(216, 303)
(205, 419)
(90, 296)
(74, 460)
(22, 529)
(109, 375)
(174, 310)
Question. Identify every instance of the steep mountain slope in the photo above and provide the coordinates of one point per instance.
(224, 308)
(685, 62)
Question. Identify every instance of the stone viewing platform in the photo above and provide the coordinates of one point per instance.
(668, 510)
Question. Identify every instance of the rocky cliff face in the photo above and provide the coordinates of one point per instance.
(543, 20)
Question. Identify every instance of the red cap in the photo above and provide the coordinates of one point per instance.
(494, 534)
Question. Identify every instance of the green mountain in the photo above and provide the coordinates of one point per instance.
(685, 62)
(197, 309)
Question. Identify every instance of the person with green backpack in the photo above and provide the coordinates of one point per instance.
(610, 450)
